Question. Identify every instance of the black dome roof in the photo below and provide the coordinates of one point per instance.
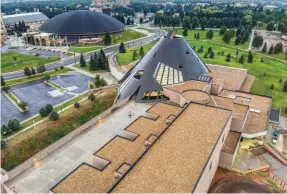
(82, 22)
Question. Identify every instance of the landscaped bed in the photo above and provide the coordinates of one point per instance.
(13, 61)
(25, 145)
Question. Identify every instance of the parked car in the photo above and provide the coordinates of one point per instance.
(275, 139)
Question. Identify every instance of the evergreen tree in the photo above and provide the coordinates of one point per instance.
(104, 60)
(122, 48)
(49, 108)
(257, 41)
(222, 30)
(237, 40)
(211, 55)
(205, 55)
(33, 72)
(264, 48)
(5, 130)
(272, 87)
(241, 59)
(53, 116)
(237, 53)
(228, 57)
(82, 61)
(227, 37)
(285, 86)
(209, 34)
(107, 39)
(43, 112)
(262, 59)
(198, 36)
(250, 57)
(271, 50)
(27, 72)
(209, 50)
(185, 32)
(2, 81)
(278, 48)
(92, 97)
(128, 21)
(135, 55)
(93, 65)
(142, 52)
(41, 68)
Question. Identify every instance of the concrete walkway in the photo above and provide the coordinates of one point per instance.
(50, 170)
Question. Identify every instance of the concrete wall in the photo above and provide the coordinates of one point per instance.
(226, 159)
(208, 173)
(117, 72)
(173, 96)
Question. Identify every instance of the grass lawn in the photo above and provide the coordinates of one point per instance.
(274, 70)
(127, 58)
(87, 68)
(281, 56)
(37, 76)
(126, 36)
(84, 48)
(25, 145)
(9, 64)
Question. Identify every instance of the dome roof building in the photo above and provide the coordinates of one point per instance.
(82, 23)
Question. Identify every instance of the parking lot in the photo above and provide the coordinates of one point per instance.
(38, 94)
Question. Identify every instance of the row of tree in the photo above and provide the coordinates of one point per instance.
(31, 71)
(98, 61)
(21, 27)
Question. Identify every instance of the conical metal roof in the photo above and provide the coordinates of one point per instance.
(170, 61)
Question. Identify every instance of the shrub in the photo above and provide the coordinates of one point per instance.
(54, 116)
(56, 69)
(14, 125)
(47, 77)
(272, 87)
(3, 144)
(92, 97)
(91, 85)
(61, 67)
(6, 88)
(43, 112)
(205, 55)
(49, 108)
(280, 80)
(23, 104)
(5, 130)
(77, 105)
(264, 74)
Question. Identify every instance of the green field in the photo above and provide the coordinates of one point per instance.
(146, 29)
(126, 36)
(37, 76)
(84, 48)
(127, 58)
(274, 70)
(9, 64)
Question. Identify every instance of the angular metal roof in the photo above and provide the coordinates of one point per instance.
(26, 17)
(170, 61)
(82, 22)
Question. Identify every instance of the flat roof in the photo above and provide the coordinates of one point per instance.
(188, 85)
(26, 17)
(256, 121)
(118, 151)
(174, 163)
(248, 83)
(231, 142)
(233, 78)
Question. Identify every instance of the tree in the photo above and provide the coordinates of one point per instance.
(142, 52)
(237, 53)
(2, 81)
(91, 85)
(270, 26)
(27, 72)
(228, 57)
(122, 48)
(128, 21)
(271, 50)
(222, 30)
(41, 68)
(237, 40)
(278, 48)
(205, 55)
(141, 20)
(33, 72)
(285, 86)
(93, 65)
(135, 55)
(211, 55)
(265, 74)
(262, 59)
(209, 50)
(43, 112)
(53, 116)
(241, 59)
(23, 104)
(286, 54)
(197, 36)
(226, 37)
(232, 32)
(92, 97)
(250, 57)
(272, 87)
(257, 41)
(14, 124)
(209, 34)
(203, 22)
(77, 105)
(99, 82)
(264, 48)
(4, 130)
(6, 88)
(107, 39)
(49, 108)
(286, 110)
(82, 61)
(185, 32)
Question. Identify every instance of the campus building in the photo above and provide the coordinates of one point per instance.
(199, 115)
(2, 30)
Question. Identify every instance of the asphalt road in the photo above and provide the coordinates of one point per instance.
(72, 59)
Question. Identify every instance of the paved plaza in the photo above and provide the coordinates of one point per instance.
(64, 160)
(38, 94)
